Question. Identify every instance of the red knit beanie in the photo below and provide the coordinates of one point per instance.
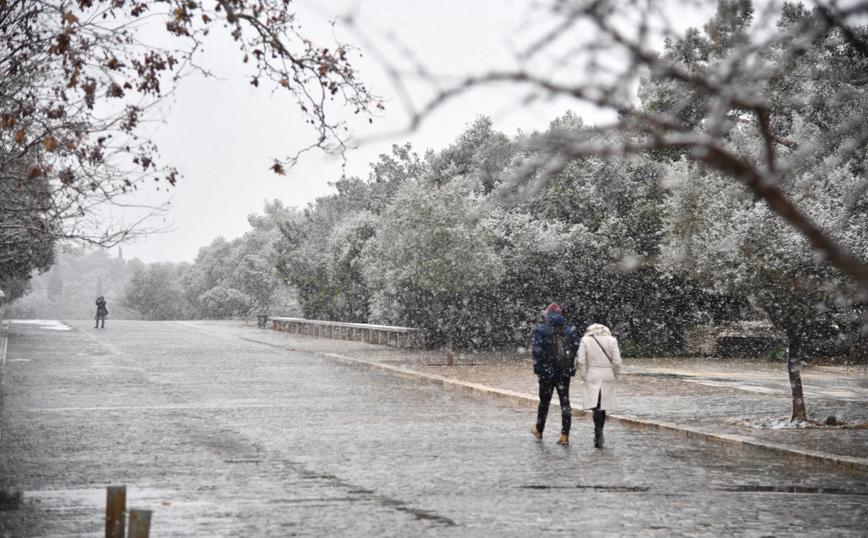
(554, 307)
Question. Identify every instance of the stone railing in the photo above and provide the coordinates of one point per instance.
(4, 341)
(359, 332)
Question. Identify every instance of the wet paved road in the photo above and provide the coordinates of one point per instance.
(226, 437)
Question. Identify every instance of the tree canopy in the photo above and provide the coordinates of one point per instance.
(704, 87)
(81, 79)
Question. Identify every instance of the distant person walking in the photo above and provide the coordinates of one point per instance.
(599, 366)
(101, 312)
(554, 361)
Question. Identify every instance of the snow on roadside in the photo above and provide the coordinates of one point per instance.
(49, 324)
(785, 423)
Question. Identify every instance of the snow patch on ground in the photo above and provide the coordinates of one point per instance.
(785, 423)
(758, 423)
(49, 324)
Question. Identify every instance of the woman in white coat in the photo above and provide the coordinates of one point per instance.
(599, 363)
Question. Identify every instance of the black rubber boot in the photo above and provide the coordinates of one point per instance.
(599, 421)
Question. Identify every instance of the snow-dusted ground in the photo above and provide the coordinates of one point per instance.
(47, 324)
(223, 436)
(703, 393)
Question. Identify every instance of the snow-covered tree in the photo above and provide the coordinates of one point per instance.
(155, 292)
(245, 264)
(221, 303)
(610, 209)
(428, 256)
(734, 72)
(732, 241)
(255, 278)
(317, 254)
(213, 266)
(345, 246)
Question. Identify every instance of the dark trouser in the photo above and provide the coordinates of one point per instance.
(100, 318)
(547, 385)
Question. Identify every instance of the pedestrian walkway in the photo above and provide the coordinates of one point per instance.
(694, 397)
(219, 434)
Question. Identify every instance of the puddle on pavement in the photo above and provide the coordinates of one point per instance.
(171, 509)
(659, 375)
(95, 496)
(794, 489)
(802, 490)
(619, 489)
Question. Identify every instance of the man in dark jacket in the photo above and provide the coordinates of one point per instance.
(550, 377)
(101, 311)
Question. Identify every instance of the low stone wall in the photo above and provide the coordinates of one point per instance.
(746, 346)
(4, 342)
(359, 332)
(735, 339)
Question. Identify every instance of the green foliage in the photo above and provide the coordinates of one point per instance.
(836, 346)
(20, 258)
(632, 349)
(11, 498)
(777, 355)
(832, 420)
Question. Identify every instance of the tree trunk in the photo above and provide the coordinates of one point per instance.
(861, 339)
(851, 323)
(448, 333)
(793, 349)
(856, 321)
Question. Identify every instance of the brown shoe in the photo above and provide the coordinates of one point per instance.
(564, 440)
(536, 432)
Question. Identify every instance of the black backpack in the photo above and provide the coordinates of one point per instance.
(558, 350)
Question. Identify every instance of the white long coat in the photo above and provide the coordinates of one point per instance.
(600, 375)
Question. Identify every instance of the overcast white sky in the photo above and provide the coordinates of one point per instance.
(223, 134)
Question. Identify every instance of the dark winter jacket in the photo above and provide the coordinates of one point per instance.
(101, 310)
(541, 366)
